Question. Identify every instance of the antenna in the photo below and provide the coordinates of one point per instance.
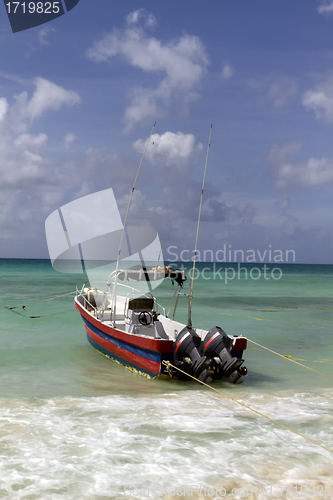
(189, 322)
(159, 256)
(130, 200)
(123, 232)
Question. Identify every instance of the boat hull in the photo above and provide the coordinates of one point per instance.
(142, 354)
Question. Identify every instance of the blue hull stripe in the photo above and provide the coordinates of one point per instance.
(118, 358)
(134, 350)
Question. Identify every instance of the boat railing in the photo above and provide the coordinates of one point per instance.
(110, 296)
(98, 312)
(157, 273)
(80, 293)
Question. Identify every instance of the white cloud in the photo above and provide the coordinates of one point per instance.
(227, 72)
(320, 100)
(47, 95)
(150, 21)
(298, 175)
(30, 141)
(69, 139)
(43, 35)
(168, 148)
(3, 108)
(31, 181)
(134, 17)
(144, 104)
(181, 61)
(276, 91)
(13, 78)
(325, 7)
(22, 158)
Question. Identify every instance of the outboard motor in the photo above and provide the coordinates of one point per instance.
(218, 344)
(186, 345)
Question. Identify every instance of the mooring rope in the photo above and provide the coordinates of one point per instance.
(167, 363)
(39, 302)
(44, 315)
(275, 320)
(287, 358)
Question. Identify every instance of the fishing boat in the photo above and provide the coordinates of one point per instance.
(135, 330)
(130, 326)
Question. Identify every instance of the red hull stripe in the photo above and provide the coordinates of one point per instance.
(150, 344)
(126, 357)
(153, 356)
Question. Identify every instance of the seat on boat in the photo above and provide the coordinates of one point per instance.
(141, 303)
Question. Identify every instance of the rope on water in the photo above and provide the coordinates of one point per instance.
(167, 363)
(39, 302)
(42, 316)
(288, 358)
(274, 320)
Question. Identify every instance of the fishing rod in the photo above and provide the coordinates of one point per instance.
(122, 234)
(189, 322)
(159, 256)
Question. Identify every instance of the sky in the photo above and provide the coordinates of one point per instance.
(79, 96)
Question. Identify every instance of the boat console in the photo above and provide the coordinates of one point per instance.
(141, 318)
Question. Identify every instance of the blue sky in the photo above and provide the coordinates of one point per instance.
(79, 96)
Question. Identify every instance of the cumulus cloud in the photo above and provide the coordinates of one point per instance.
(321, 100)
(326, 7)
(69, 139)
(175, 195)
(31, 181)
(227, 72)
(168, 148)
(3, 108)
(134, 17)
(275, 91)
(182, 62)
(298, 175)
(47, 95)
(22, 158)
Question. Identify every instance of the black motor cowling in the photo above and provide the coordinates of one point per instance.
(218, 344)
(186, 345)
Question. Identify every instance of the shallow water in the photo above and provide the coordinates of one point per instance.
(74, 425)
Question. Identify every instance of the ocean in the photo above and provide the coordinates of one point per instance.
(75, 425)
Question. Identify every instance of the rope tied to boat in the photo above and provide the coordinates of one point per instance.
(168, 364)
(40, 301)
(23, 306)
(288, 358)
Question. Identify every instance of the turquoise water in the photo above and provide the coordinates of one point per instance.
(74, 425)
